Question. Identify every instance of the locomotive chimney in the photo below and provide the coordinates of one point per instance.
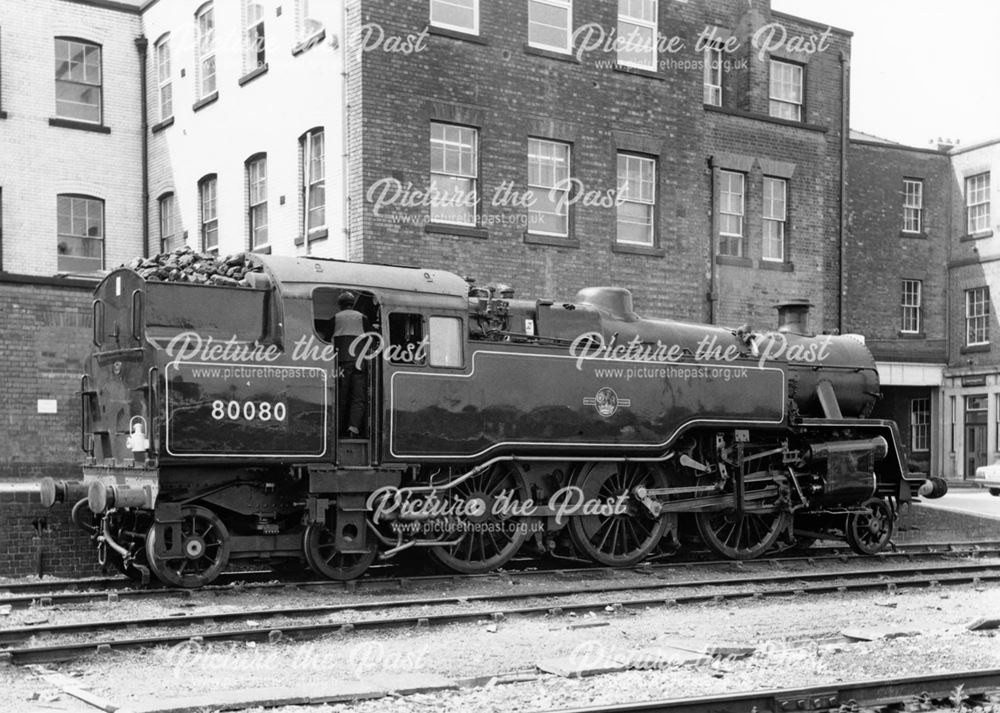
(793, 316)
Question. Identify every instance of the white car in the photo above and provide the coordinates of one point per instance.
(988, 476)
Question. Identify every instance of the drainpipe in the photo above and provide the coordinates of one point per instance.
(142, 44)
(845, 130)
(712, 295)
(345, 114)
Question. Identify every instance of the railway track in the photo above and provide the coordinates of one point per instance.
(68, 591)
(932, 692)
(471, 608)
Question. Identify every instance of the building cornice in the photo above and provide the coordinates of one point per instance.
(900, 147)
(108, 5)
(811, 23)
(74, 283)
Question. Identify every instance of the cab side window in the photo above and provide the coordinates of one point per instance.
(446, 341)
(406, 338)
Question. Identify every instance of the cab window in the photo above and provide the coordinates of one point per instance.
(446, 341)
(406, 338)
(325, 301)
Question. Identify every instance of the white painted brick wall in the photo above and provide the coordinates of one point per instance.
(39, 161)
(268, 114)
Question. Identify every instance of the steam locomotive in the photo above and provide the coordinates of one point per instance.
(212, 434)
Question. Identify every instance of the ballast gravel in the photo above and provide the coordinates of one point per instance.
(792, 635)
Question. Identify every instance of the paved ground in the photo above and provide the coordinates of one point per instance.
(973, 501)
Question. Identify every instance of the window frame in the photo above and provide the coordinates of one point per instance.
(307, 181)
(915, 309)
(171, 214)
(474, 30)
(399, 357)
(202, 56)
(996, 417)
(204, 228)
(460, 332)
(783, 101)
(474, 177)
(915, 217)
(920, 425)
(652, 25)
(970, 205)
(307, 25)
(102, 238)
(563, 5)
(727, 239)
(972, 320)
(651, 204)
(255, 170)
(712, 66)
(99, 85)
(782, 222)
(254, 37)
(550, 190)
(164, 85)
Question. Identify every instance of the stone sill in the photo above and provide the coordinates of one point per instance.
(80, 125)
(202, 103)
(457, 35)
(647, 250)
(551, 54)
(551, 240)
(253, 74)
(463, 231)
(156, 128)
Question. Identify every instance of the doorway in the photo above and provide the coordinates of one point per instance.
(976, 447)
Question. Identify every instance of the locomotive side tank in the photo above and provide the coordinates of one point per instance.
(212, 429)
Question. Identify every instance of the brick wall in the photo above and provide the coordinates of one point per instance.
(45, 334)
(880, 255)
(510, 92)
(975, 260)
(301, 89)
(42, 161)
(35, 540)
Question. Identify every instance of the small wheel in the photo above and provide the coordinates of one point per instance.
(486, 537)
(995, 492)
(320, 548)
(204, 550)
(617, 539)
(869, 532)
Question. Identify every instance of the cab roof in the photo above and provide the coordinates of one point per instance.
(299, 275)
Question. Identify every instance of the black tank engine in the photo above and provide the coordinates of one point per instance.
(216, 428)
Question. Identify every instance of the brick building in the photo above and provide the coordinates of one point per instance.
(728, 176)
(899, 221)
(921, 275)
(246, 137)
(70, 204)
(971, 383)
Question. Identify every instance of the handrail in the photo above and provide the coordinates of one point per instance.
(86, 439)
(152, 399)
(137, 315)
(98, 321)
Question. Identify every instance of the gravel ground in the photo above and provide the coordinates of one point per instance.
(249, 600)
(462, 651)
